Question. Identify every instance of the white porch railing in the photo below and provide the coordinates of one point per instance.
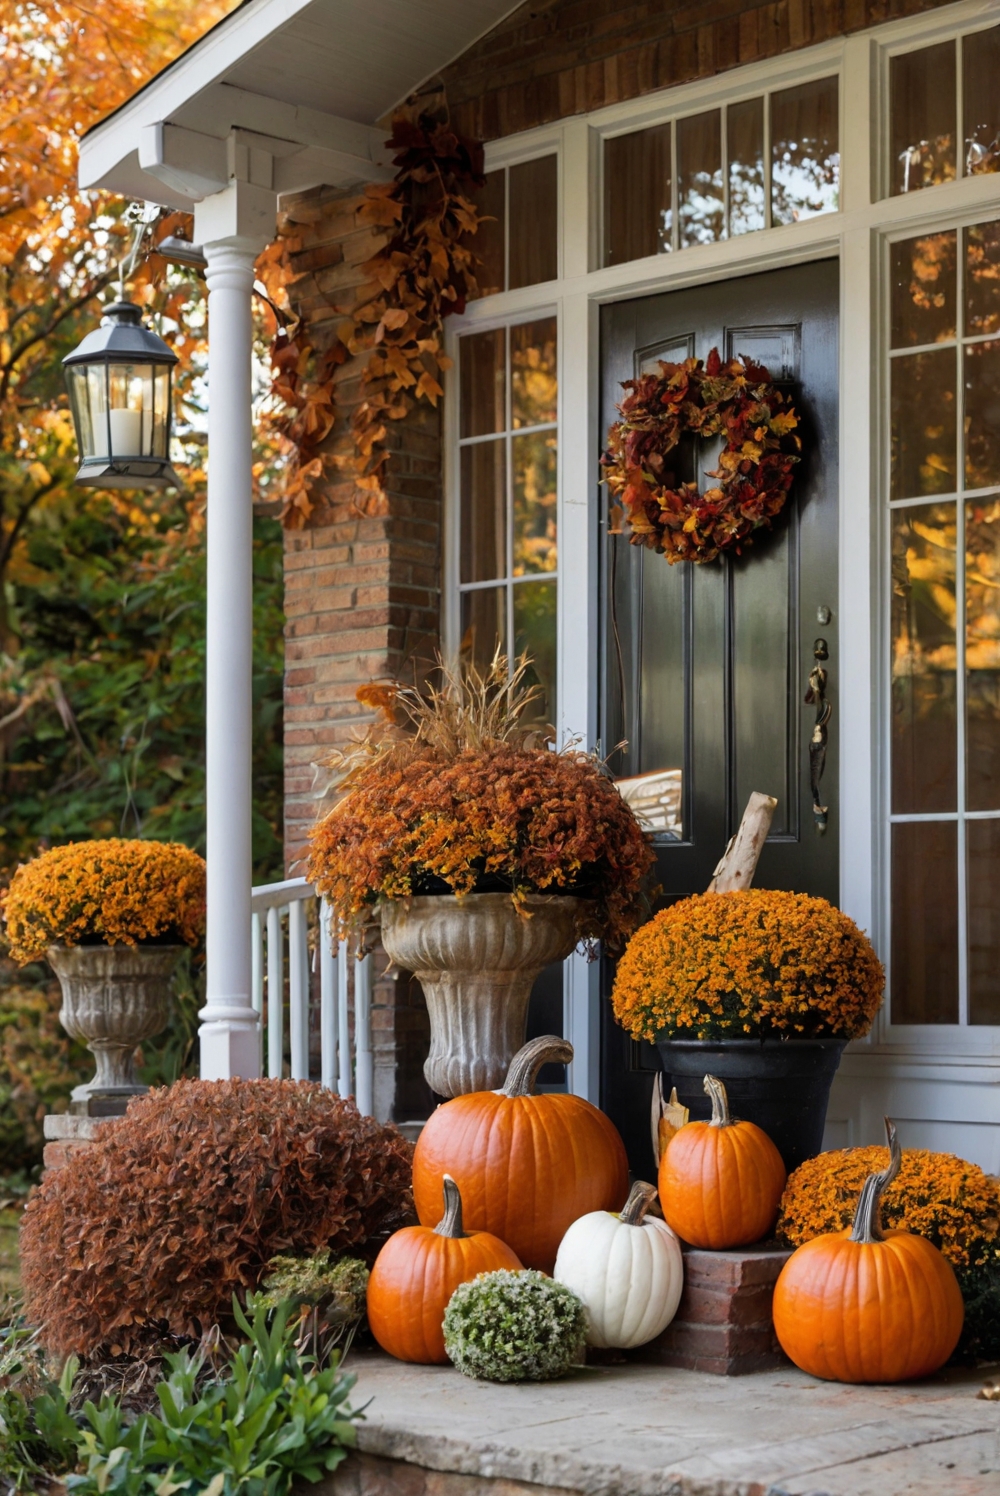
(281, 923)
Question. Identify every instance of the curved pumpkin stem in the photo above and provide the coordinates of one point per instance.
(867, 1227)
(524, 1067)
(720, 1103)
(450, 1224)
(640, 1198)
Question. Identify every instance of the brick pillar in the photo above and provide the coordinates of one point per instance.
(362, 600)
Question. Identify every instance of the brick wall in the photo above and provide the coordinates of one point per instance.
(546, 61)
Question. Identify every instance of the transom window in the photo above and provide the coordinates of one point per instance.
(939, 96)
(944, 488)
(518, 244)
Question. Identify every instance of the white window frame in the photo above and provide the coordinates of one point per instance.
(856, 234)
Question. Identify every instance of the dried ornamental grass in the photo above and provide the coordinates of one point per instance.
(185, 1200)
(115, 892)
(760, 962)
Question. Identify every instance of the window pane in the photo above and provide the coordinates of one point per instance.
(923, 424)
(923, 659)
(982, 415)
(481, 358)
(982, 278)
(483, 548)
(924, 922)
(488, 241)
(981, 100)
(982, 654)
(637, 213)
(923, 290)
(984, 920)
(533, 189)
(484, 624)
(535, 634)
(745, 152)
(805, 151)
(534, 461)
(699, 178)
(533, 385)
(922, 111)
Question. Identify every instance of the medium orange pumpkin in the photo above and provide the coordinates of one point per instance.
(528, 1166)
(863, 1306)
(416, 1273)
(720, 1181)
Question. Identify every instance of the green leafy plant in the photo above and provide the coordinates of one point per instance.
(37, 1433)
(328, 1294)
(514, 1327)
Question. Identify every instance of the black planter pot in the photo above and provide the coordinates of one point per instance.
(781, 1084)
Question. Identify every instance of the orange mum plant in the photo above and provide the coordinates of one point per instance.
(114, 892)
(455, 791)
(760, 962)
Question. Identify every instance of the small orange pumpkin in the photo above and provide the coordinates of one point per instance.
(528, 1166)
(866, 1306)
(720, 1181)
(416, 1273)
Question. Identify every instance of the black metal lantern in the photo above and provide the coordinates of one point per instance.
(119, 391)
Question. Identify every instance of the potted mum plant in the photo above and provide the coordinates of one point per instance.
(484, 853)
(760, 988)
(112, 918)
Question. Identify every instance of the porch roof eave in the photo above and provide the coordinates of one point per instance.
(311, 76)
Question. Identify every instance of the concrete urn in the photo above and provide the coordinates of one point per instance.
(476, 959)
(114, 997)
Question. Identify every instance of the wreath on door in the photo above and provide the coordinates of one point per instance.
(706, 398)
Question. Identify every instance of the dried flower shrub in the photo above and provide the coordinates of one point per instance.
(116, 892)
(761, 962)
(185, 1200)
(462, 797)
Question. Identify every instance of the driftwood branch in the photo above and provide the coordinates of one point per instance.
(739, 861)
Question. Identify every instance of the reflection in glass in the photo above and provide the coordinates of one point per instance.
(923, 283)
(923, 424)
(982, 415)
(805, 151)
(533, 372)
(535, 633)
(981, 101)
(532, 222)
(483, 544)
(488, 242)
(983, 860)
(637, 213)
(534, 464)
(699, 178)
(745, 153)
(922, 110)
(481, 377)
(982, 654)
(484, 624)
(982, 278)
(925, 922)
(923, 659)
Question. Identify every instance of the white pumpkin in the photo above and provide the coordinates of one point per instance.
(626, 1268)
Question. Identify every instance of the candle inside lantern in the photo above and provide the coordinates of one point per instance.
(126, 432)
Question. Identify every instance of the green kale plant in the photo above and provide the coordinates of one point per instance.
(514, 1327)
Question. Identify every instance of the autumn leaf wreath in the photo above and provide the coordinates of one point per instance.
(706, 398)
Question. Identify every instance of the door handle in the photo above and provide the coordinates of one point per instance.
(816, 696)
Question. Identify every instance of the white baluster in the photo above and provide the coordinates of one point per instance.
(275, 994)
(257, 978)
(298, 993)
(344, 1082)
(365, 1070)
(327, 999)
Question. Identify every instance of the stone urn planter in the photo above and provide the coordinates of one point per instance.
(114, 997)
(476, 959)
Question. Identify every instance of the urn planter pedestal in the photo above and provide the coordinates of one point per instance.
(476, 959)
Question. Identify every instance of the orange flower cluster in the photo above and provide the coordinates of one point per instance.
(530, 820)
(117, 892)
(950, 1202)
(761, 962)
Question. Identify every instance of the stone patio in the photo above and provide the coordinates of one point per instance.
(641, 1430)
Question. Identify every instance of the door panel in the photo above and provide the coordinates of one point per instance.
(705, 668)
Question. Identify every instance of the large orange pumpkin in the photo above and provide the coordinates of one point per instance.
(720, 1181)
(863, 1306)
(528, 1166)
(416, 1273)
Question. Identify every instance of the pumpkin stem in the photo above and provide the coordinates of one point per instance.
(867, 1227)
(640, 1198)
(720, 1102)
(450, 1224)
(524, 1067)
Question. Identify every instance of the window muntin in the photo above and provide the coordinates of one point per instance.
(944, 111)
(519, 246)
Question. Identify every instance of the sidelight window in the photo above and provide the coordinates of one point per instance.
(944, 112)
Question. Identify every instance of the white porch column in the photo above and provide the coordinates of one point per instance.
(232, 227)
